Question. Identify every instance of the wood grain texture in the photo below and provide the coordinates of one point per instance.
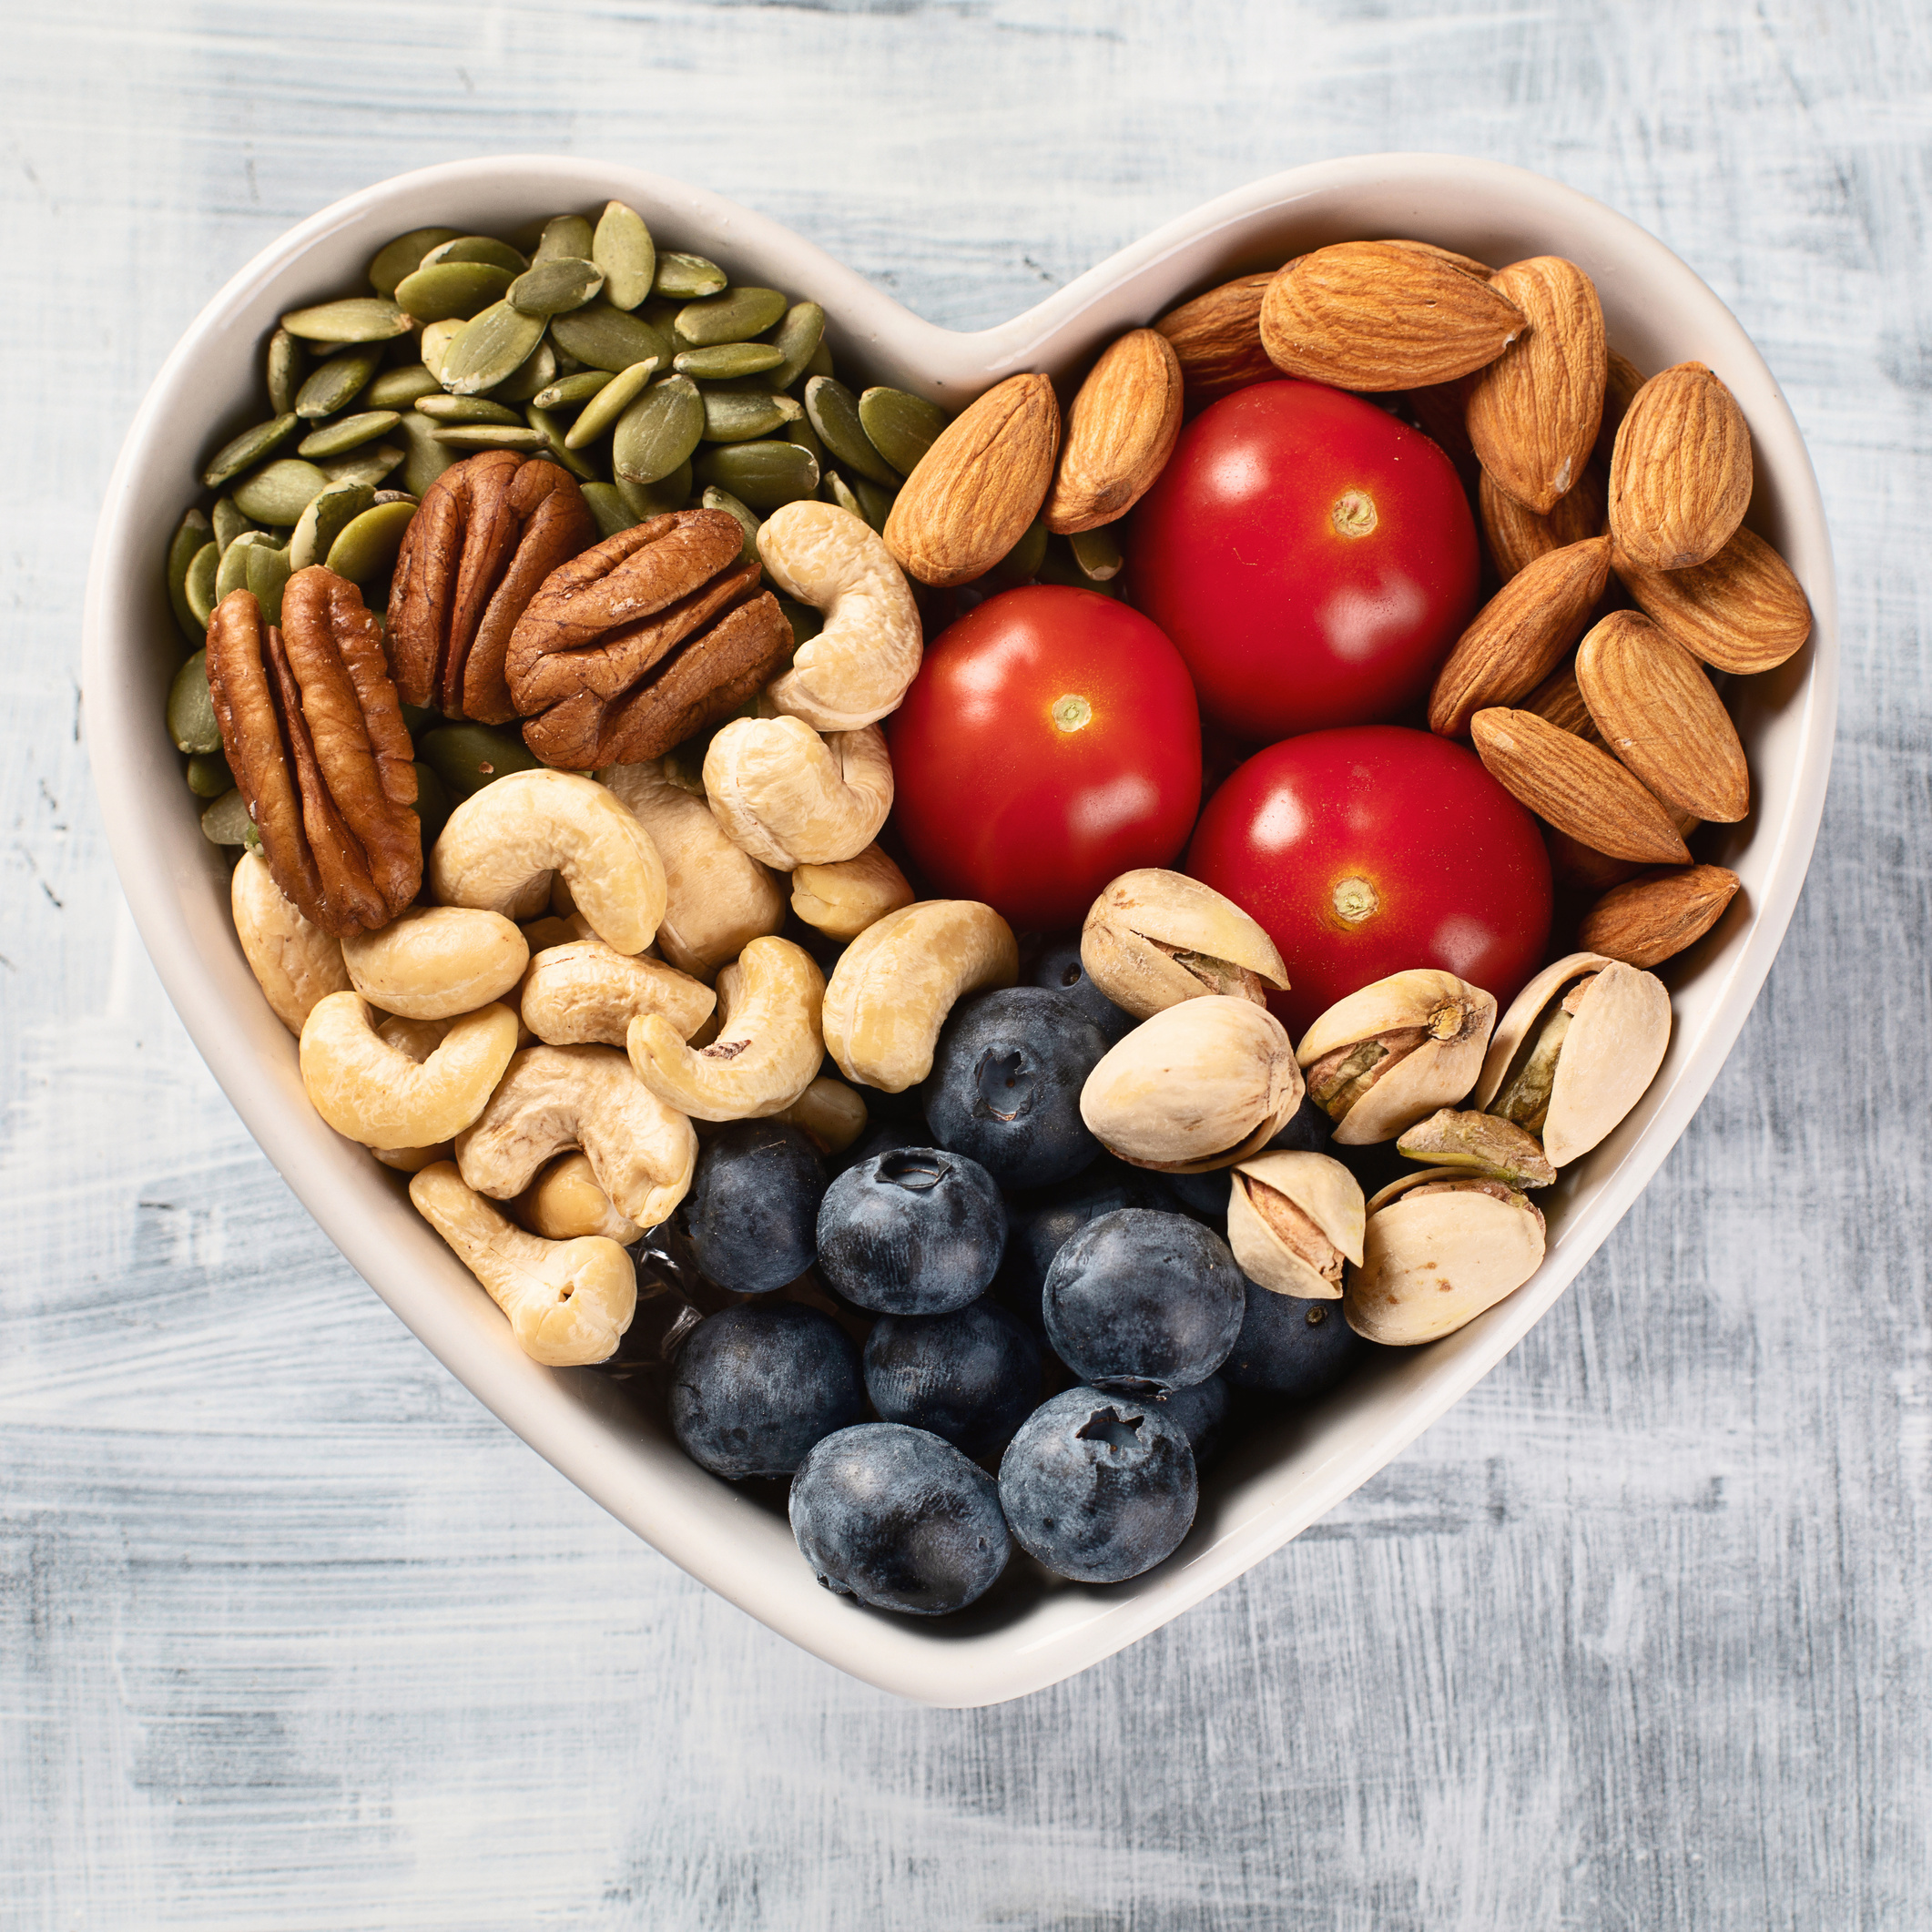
(292, 1634)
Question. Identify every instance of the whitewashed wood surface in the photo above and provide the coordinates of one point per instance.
(292, 1634)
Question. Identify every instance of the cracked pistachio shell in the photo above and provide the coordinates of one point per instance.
(1197, 1086)
(1292, 1220)
(1437, 1251)
(1483, 1143)
(1155, 938)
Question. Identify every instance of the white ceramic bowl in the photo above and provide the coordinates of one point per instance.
(1033, 1632)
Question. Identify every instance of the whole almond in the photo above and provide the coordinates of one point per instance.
(1519, 635)
(1533, 412)
(1440, 408)
(1680, 476)
(1576, 787)
(1216, 338)
(1620, 385)
(1741, 611)
(1660, 715)
(975, 491)
(1380, 315)
(1517, 536)
(1467, 264)
(1652, 918)
(1120, 430)
(1578, 868)
(1560, 702)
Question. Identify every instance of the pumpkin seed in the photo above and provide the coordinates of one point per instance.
(394, 496)
(346, 432)
(367, 547)
(427, 459)
(474, 248)
(801, 432)
(797, 336)
(834, 489)
(399, 388)
(190, 709)
(193, 534)
(875, 505)
(227, 821)
(834, 410)
(569, 391)
(746, 520)
(658, 430)
(563, 235)
(806, 623)
(621, 247)
(1058, 566)
(902, 427)
(431, 803)
(1023, 560)
(728, 360)
(732, 416)
(493, 346)
(268, 568)
(556, 285)
(419, 719)
(238, 454)
(602, 337)
(232, 574)
(820, 362)
(369, 464)
(354, 318)
(461, 289)
(608, 402)
(1096, 553)
(324, 520)
(286, 361)
(765, 475)
(336, 383)
(396, 259)
(608, 509)
(228, 522)
(553, 429)
(281, 492)
(467, 756)
(200, 584)
(657, 499)
(735, 316)
(464, 437)
(209, 774)
(437, 342)
(537, 368)
(686, 278)
(441, 408)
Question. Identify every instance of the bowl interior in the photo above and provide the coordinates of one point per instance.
(1031, 1631)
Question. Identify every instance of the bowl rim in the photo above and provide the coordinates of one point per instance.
(682, 1513)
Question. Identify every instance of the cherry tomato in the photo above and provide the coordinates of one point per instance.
(1313, 559)
(1049, 742)
(1372, 849)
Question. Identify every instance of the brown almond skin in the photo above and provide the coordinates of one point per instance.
(975, 491)
(1679, 475)
(1216, 338)
(1533, 413)
(1661, 716)
(1743, 611)
(1653, 918)
(1576, 787)
(1558, 699)
(1517, 536)
(1520, 635)
(1120, 430)
(1620, 385)
(1376, 316)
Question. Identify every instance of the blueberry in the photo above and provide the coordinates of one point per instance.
(1306, 1131)
(1204, 1413)
(971, 1377)
(753, 1208)
(1204, 1195)
(754, 1387)
(1143, 1301)
(899, 1520)
(1060, 971)
(1040, 1225)
(1291, 1347)
(915, 1232)
(1098, 1487)
(885, 1136)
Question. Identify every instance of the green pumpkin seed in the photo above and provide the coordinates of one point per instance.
(735, 316)
(658, 499)
(552, 430)
(323, 520)
(733, 416)
(1097, 554)
(806, 623)
(232, 574)
(279, 493)
(402, 387)
(1024, 559)
(765, 475)
(608, 509)
(658, 430)
(474, 248)
(200, 584)
(191, 711)
(607, 403)
(437, 341)
(209, 774)
(745, 518)
(902, 427)
(370, 464)
(427, 459)
(439, 408)
(286, 362)
(624, 249)
(563, 235)
(799, 336)
(567, 391)
(819, 363)
(875, 505)
(227, 821)
(397, 258)
(346, 432)
(193, 534)
(419, 719)
(602, 337)
(355, 319)
(556, 285)
(536, 371)
(228, 522)
(367, 547)
(269, 574)
(491, 347)
(801, 432)
(1058, 566)
(465, 437)
(834, 410)
(247, 449)
(727, 361)
(431, 804)
(336, 383)
(460, 288)
(467, 756)
(686, 278)
(833, 489)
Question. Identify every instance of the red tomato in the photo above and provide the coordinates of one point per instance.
(1048, 743)
(1312, 558)
(1374, 849)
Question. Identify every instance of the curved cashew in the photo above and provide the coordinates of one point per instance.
(858, 667)
(895, 984)
(769, 1041)
(541, 934)
(553, 1098)
(569, 1302)
(419, 1039)
(294, 961)
(583, 993)
(717, 898)
(829, 1111)
(376, 1094)
(501, 846)
(432, 962)
(843, 900)
(564, 1202)
(790, 798)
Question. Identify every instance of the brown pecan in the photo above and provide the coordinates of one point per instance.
(631, 647)
(314, 736)
(489, 531)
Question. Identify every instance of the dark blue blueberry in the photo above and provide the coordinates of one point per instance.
(754, 1387)
(914, 1231)
(971, 1377)
(753, 1209)
(1291, 1347)
(1098, 1487)
(1040, 1225)
(899, 1520)
(1058, 970)
(1143, 1301)
(885, 1136)
(1204, 1195)
(1204, 1413)
(1307, 1133)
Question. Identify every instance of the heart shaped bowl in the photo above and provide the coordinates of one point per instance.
(1030, 1630)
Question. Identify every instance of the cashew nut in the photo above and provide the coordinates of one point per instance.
(858, 667)
(501, 846)
(419, 1039)
(717, 898)
(829, 1111)
(555, 1098)
(843, 900)
(583, 993)
(769, 1041)
(895, 984)
(564, 1202)
(376, 1094)
(790, 798)
(294, 961)
(569, 1302)
(432, 962)
(541, 934)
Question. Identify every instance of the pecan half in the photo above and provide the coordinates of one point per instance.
(489, 531)
(631, 647)
(314, 736)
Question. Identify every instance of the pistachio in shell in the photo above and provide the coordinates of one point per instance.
(1155, 938)
(1197, 1086)
(1390, 1053)
(1484, 1143)
(1435, 1252)
(1293, 1219)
